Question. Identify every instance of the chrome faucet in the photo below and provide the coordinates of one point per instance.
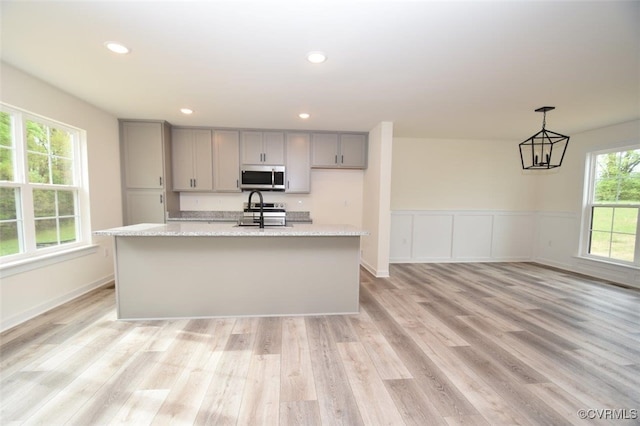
(261, 206)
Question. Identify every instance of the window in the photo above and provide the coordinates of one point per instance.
(40, 186)
(613, 206)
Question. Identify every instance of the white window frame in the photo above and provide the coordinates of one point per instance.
(588, 204)
(30, 253)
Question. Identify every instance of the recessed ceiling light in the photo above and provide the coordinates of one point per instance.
(186, 111)
(117, 47)
(304, 115)
(316, 57)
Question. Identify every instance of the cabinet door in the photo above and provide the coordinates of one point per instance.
(143, 159)
(226, 170)
(353, 151)
(145, 206)
(252, 148)
(273, 148)
(182, 159)
(324, 150)
(298, 166)
(202, 160)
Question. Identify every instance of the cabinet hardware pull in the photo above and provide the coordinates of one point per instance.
(195, 185)
(160, 179)
(237, 184)
(342, 159)
(160, 198)
(336, 159)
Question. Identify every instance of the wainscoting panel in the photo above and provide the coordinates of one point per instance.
(472, 237)
(548, 238)
(431, 236)
(401, 236)
(513, 235)
(557, 238)
(461, 236)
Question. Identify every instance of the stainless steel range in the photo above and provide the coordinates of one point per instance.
(275, 214)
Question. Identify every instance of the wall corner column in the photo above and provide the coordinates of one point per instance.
(376, 203)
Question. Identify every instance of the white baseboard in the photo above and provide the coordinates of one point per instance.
(44, 307)
(378, 273)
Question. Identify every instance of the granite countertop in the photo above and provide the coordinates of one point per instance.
(200, 229)
(228, 216)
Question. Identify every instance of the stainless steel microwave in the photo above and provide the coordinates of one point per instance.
(264, 178)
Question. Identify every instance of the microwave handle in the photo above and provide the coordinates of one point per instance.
(273, 178)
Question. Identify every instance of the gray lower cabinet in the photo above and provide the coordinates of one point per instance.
(146, 172)
(298, 163)
(339, 150)
(226, 158)
(144, 206)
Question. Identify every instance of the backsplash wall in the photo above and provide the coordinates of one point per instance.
(335, 198)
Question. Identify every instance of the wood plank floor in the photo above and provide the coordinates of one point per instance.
(490, 343)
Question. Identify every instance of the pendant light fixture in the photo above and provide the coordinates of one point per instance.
(545, 149)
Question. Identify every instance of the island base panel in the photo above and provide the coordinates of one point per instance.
(173, 277)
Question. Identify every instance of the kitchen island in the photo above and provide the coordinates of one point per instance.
(189, 270)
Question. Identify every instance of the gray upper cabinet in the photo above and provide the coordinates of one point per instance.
(226, 157)
(335, 150)
(142, 148)
(146, 158)
(353, 151)
(298, 165)
(192, 159)
(262, 148)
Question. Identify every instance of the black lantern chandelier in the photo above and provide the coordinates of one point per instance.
(545, 149)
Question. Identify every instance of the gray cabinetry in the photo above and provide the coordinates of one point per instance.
(226, 168)
(191, 151)
(298, 164)
(262, 148)
(339, 150)
(146, 159)
(353, 151)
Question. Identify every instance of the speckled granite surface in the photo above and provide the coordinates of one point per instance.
(227, 216)
(199, 229)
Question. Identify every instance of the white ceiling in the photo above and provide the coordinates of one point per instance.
(449, 69)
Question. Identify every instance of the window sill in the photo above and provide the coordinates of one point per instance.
(24, 265)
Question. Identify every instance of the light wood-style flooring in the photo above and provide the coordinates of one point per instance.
(435, 344)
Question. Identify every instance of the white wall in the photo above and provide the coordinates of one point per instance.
(469, 200)
(27, 294)
(453, 174)
(460, 201)
(559, 203)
